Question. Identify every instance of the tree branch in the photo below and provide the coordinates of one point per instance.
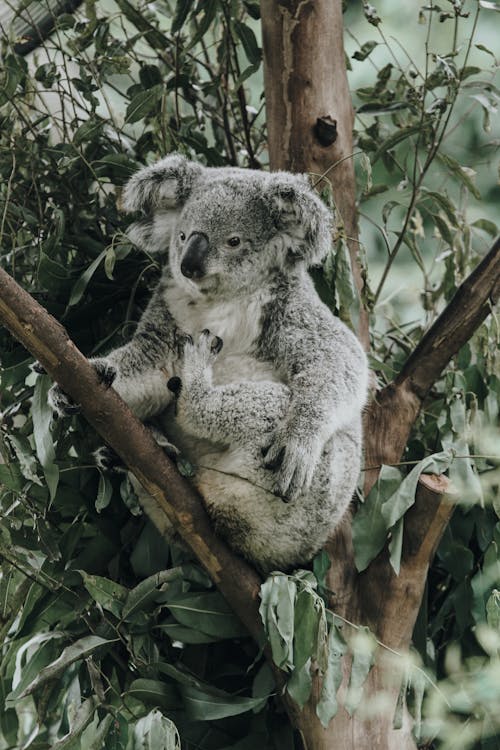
(471, 304)
(48, 341)
(394, 410)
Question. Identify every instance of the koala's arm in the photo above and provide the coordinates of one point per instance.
(144, 364)
(326, 370)
(140, 369)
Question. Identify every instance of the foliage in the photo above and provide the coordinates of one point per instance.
(101, 624)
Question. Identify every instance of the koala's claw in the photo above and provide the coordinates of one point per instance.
(61, 403)
(107, 460)
(38, 368)
(180, 341)
(216, 343)
(105, 372)
(295, 462)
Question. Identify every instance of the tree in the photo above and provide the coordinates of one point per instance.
(317, 139)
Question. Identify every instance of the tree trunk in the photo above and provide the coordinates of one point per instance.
(308, 106)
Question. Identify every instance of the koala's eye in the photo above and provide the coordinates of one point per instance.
(182, 236)
(233, 241)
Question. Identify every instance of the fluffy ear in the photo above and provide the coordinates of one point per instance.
(164, 185)
(299, 213)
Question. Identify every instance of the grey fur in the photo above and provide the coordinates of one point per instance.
(291, 377)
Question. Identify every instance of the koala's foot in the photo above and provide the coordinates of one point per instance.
(196, 362)
(107, 460)
(63, 405)
(294, 460)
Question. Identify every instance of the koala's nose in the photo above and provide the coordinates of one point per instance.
(195, 254)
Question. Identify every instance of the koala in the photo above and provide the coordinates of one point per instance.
(271, 419)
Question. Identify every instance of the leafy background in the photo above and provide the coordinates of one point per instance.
(106, 633)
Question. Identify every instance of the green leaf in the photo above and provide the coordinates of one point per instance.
(464, 174)
(381, 108)
(182, 8)
(249, 42)
(109, 594)
(156, 732)
(307, 617)
(369, 529)
(277, 612)
(443, 228)
(394, 139)
(81, 284)
(300, 684)
(365, 50)
(143, 103)
(201, 706)
(146, 592)
(487, 226)
(207, 612)
(81, 720)
(95, 733)
(11, 477)
(27, 461)
(186, 635)
(155, 693)
(443, 202)
(77, 651)
(42, 416)
(104, 493)
(88, 131)
(327, 705)
(363, 646)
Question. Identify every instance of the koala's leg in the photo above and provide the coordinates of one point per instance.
(234, 413)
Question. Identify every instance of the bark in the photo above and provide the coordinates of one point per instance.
(308, 106)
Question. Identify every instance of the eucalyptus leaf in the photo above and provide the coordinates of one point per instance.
(42, 416)
(201, 706)
(108, 594)
(327, 705)
(207, 612)
(77, 651)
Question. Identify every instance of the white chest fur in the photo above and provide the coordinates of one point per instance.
(238, 323)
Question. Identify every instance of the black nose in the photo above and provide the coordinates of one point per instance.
(195, 255)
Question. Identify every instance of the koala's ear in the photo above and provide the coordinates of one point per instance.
(300, 215)
(164, 185)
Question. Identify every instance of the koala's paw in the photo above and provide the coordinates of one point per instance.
(197, 359)
(104, 371)
(295, 460)
(170, 449)
(62, 404)
(107, 460)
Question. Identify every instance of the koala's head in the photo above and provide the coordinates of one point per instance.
(226, 229)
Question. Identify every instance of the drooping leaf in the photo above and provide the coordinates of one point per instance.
(201, 706)
(143, 103)
(78, 650)
(155, 732)
(42, 416)
(155, 693)
(108, 594)
(327, 705)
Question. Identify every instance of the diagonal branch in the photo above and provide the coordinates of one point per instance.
(394, 410)
(472, 303)
(48, 341)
